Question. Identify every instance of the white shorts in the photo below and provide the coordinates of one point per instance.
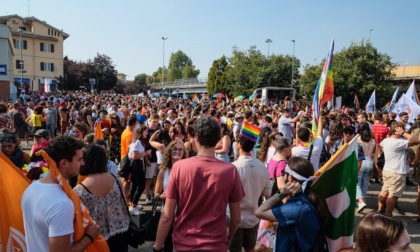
(151, 171)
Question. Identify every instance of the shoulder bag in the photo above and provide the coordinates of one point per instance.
(150, 220)
(136, 235)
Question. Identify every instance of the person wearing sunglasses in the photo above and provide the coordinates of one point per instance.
(10, 148)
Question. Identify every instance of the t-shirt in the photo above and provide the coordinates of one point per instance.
(380, 132)
(47, 212)
(202, 187)
(301, 151)
(51, 114)
(298, 224)
(126, 138)
(255, 181)
(395, 151)
(135, 146)
(84, 113)
(281, 165)
(285, 127)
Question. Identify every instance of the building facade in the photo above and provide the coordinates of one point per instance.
(38, 48)
(405, 75)
(7, 87)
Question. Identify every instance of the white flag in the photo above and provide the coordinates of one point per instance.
(406, 104)
(47, 85)
(370, 106)
(412, 93)
(394, 100)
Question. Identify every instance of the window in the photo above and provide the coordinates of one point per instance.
(18, 65)
(23, 28)
(16, 43)
(48, 31)
(47, 47)
(47, 67)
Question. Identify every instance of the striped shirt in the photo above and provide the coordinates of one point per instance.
(380, 132)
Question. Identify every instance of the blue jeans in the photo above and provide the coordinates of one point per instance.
(363, 178)
(50, 128)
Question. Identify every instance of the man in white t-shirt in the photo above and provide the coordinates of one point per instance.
(303, 148)
(396, 168)
(285, 123)
(48, 212)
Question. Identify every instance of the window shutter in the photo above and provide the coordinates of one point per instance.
(52, 48)
(42, 66)
(42, 47)
(25, 44)
(14, 42)
(52, 67)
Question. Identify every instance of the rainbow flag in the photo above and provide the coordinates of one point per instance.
(324, 89)
(387, 106)
(250, 131)
(356, 102)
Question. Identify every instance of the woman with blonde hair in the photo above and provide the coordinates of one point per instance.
(174, 152)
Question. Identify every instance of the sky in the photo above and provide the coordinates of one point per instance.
(131, 31)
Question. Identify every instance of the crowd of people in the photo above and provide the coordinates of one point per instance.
(232, 175)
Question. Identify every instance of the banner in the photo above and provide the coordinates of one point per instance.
(12, 185)
(336, 185)
(406, 104)
(338, 101)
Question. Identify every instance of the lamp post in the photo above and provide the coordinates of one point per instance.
(293, 62)
(268, 41)
(21, 57)
(163, 61)
(370, 34)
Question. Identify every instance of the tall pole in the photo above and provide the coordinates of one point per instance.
(370, 34)
(163, 62)
(21, 58)
(268, 41)
(293, 62)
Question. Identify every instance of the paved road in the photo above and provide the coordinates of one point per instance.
(407, 203)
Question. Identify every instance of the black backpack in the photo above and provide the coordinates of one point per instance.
(18, 119)
(324, 157)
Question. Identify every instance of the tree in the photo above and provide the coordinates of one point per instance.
(102, 69)
(73, 74)
(360, 69)
(217, 79)
(177, 63)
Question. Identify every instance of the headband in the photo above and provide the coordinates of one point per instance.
(299, 177)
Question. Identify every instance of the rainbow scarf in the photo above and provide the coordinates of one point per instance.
(250, 131)
(305, 144)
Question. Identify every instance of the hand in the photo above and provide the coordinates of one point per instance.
(93, 230)
(399, 131)
(291, 188)
(379, 172)
(113, 130)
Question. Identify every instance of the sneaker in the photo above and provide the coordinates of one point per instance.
(139, 207)
(134, 211)
(149, 199)
(361, 207)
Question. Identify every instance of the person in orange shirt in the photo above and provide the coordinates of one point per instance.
(126, 138)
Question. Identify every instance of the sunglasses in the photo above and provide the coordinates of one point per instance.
(177, 150)
(8, 140)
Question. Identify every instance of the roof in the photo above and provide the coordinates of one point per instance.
(31, 19)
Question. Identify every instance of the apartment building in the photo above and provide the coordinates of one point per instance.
(38, 48)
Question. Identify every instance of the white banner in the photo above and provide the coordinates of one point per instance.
(406, 104)
(338, 103)
(47, 85)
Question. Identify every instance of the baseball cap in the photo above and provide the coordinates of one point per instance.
(41, 133)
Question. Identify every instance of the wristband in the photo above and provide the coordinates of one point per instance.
(282, 195)
(88, 236)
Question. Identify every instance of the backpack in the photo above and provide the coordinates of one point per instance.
(320, 244)
(18, 119)
(324, 157)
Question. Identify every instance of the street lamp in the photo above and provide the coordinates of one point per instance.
(370, 34)
(163, 61)
(21, 57)
(293, 62)
(268, 41)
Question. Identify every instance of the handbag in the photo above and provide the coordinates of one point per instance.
(136, 235)
(149, 221)
(124, 170)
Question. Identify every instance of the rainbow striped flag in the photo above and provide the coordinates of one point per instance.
(356, 102)
(324, 89)
(387, 106)
(250, 131)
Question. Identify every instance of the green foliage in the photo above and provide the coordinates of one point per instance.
(217, 79)
(360, 69)
(180, 66)
(102, 69)
(251, 69)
